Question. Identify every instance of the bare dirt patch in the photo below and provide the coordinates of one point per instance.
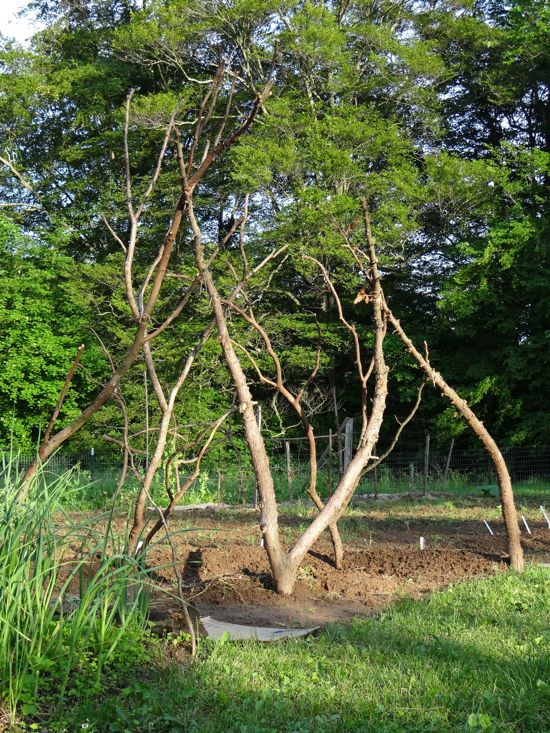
(226, 572)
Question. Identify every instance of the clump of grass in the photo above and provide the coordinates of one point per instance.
(473, 658)
(47, 629)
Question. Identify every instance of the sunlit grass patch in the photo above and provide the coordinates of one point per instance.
(475, 657)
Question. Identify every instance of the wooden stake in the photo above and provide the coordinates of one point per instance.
(348, 443)
(288, 470)
(486, 523)
(426, 462)
(375, 475)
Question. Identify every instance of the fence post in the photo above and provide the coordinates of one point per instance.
(375, 451)
(413, 478)
(426, 462)
(288, 470)
(348, 443)
(338, 431)
(448, 463)
(219, 487)
(259, 423)
(92, 454)
(329, 476)
(242, 483)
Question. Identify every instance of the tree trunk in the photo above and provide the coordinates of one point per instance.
(284, 566)
(269, 515)
(152, 467)
(505, 484)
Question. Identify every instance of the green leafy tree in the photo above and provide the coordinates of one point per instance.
(44, 316)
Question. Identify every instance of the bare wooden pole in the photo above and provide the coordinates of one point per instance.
(509, 512)
(288, 470)
(375, 471)
(412, 477)
(505, 483)
(338, 432)
(348, 443)
(426, 461)
(295, 401)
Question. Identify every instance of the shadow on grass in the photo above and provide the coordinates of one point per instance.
(474, 658)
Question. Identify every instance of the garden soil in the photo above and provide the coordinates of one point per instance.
(226, 575)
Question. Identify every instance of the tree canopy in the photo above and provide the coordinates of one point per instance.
(438, 113)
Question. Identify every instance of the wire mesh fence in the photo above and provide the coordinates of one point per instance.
(443, 469)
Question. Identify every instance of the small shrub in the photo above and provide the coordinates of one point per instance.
(47, 632)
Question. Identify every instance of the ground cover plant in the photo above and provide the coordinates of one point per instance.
(116, 679)
(66, 609)
(229, 485)
(472, 658)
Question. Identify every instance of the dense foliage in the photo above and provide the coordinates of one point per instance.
(437, 112)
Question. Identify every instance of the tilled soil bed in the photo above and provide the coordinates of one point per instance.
(234, 584)
(226, 574)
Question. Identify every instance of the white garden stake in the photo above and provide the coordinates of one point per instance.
(486, 523)
(422, 543)
(526, 525)
(545, 515)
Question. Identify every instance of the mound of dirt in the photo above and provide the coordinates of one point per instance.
(234, 584)
(226, 574)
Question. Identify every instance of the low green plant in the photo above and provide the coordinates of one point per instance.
(474, 658)
(202, 491)
(58, 614)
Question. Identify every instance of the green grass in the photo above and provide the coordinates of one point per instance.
(475, 657)
(59, 623)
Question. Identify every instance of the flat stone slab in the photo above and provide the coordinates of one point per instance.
(195, 507)
(217, 629)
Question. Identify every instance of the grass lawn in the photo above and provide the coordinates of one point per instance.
(475, 657)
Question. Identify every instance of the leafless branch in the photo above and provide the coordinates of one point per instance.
(194, 475)
(402, 426)
(363, 375)
(113, 234)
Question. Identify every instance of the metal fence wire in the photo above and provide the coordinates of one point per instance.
(441, 469)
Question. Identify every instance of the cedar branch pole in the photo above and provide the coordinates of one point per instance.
(142, 311)
(509, 513)
(503, 476)
(62, 396)
(295, 401)
(284, 565)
